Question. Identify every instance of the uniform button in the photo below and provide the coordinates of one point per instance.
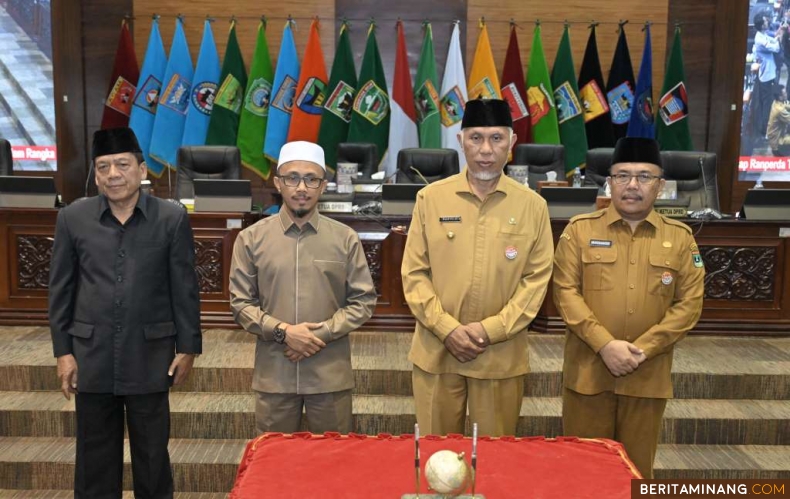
(631, 286)
(450, 235)
(631, 311)
(633, 262)
(120, 278)
(666, 262)
(633, 239)
(597, 257)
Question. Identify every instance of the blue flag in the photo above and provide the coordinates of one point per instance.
(149, 87)
(204, 89)
(174, 101)
(642, 122)
(283, 89)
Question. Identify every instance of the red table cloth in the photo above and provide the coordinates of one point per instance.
(360, 466)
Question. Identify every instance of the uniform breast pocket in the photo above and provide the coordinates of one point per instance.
(333, 273)
(598, 268)
(662, 274)
(513, 245)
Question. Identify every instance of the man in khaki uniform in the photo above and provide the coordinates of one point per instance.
(475, 270)
(629, 284)
(300, 282)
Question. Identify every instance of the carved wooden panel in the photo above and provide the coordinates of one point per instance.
(33, 253)
(373, 255)
(739, 273)
(208, 264)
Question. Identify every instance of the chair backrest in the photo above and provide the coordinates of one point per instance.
(599, 162)
(540, 158)
(365, 154)
(698, 185)
(205, 162)
(6, 158)
(432, 164)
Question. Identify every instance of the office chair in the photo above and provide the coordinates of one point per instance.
(417, 165)
(540, 158)
(6, 158)
(599, 162)
(695, 173)
(205, 162)
(364, 154)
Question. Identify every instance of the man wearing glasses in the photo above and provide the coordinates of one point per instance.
(628, 283)
(300, 282)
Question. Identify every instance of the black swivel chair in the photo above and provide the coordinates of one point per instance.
(364, 154)
(540, 158)
(205, 162)
(699, 186)
(6, 158)
(432, 165)
(599, 162)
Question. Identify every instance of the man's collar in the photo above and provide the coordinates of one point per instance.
(613, 216)
(286, 222)
(141, 205)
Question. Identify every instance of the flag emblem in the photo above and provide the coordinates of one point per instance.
(121, 96)
(426, 101)
(540, 103)
(341, 101)
(230, 94)
(568, 105)
(593, 101)
(371, 103)
(484, 89)
(311, 99)
(673, 105)
(284, 99)
(176, 94)
(258, 97)
(621, 98)
(203, 96)
(452, 107)
(148, 96)
(644, 105)
(518, 109)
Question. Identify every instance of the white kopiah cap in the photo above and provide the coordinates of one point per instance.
(302, 151)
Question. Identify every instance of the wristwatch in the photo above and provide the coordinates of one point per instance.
(279, 333)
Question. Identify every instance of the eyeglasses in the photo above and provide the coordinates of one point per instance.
(642, 178)
(295, 180)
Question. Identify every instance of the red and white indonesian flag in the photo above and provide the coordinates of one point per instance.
(403, 121)
(453, 96)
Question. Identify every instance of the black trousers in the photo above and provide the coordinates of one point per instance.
(99, 467)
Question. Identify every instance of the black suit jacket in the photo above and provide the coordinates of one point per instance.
(123, 298)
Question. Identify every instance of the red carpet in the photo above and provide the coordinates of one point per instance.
(358, 466)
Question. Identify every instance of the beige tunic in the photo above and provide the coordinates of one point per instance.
(468, 260)
(319, 274)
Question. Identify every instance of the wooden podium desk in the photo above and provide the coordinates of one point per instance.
(746, 285)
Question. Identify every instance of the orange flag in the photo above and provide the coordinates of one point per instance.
(310, 92)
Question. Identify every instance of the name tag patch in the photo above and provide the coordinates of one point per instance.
(450, 219)
(600, 243)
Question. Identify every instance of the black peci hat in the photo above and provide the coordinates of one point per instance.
(487, 112)
(636, 150)
(114, 141)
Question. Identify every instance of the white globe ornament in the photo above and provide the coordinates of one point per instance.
(448, 473)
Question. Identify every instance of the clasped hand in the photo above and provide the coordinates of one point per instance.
(468, 341)
(622, 357)
(301, 342)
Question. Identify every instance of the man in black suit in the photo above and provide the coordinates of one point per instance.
(124, 314)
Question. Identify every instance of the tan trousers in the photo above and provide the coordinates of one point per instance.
(633, 421)
(441, 400)
(282, 412)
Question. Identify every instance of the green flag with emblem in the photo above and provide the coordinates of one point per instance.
(255, 110)
(570, 113)
(426, 98)
(224, 124)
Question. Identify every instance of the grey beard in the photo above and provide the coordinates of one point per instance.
(485, 175)
(301, 212)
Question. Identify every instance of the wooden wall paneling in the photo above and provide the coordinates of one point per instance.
(69, 95)
(579, 13)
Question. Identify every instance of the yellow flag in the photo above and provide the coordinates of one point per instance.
(483, 80)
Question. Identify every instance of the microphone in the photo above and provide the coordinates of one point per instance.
(706, 212)
(420, 174)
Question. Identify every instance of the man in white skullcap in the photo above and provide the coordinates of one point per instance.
(300, 282)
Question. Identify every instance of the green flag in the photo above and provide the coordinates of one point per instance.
(570, 114)
(370, 121)
(540, 97)
(255, 110)
(224, 124)
(426, 98)
(672, 131)
(342, 88)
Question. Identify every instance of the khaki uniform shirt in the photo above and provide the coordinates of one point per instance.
(778, 131)
(468, 260)
(319, 274)
(609, 284)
